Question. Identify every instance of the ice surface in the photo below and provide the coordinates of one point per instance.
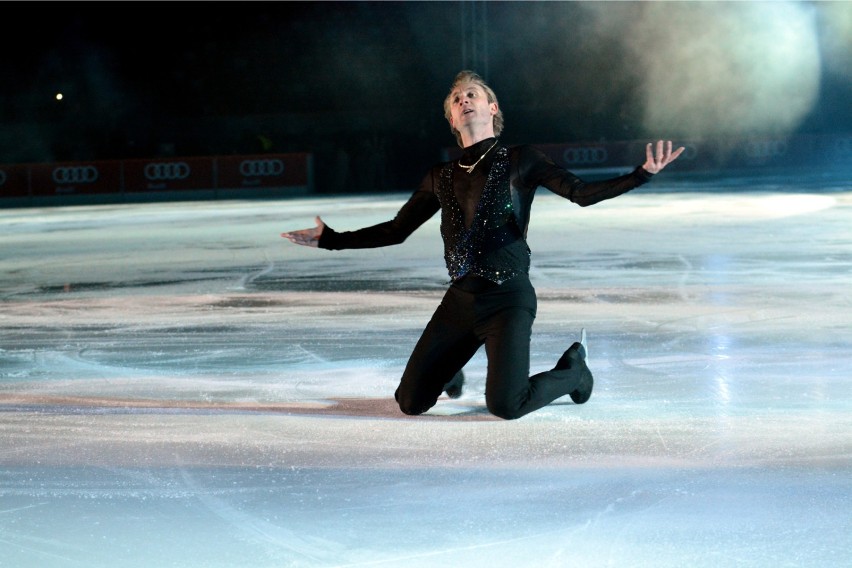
(179, 386)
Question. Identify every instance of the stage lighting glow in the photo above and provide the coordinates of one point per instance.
(836, 37)
(717, 69)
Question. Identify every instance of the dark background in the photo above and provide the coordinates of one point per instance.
(358, 84)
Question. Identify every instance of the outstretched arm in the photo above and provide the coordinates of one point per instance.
(306, 237)
(416, 211)
(538, 169)
(654, 162)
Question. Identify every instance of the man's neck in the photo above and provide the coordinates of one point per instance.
(470, 138)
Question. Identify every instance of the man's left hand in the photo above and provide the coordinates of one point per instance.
(656, 161)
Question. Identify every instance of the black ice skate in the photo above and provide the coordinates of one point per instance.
(455, 386)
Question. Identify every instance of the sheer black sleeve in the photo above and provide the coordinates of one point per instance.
(537, 169)
(419, 208)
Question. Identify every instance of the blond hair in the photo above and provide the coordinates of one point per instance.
(465, 77)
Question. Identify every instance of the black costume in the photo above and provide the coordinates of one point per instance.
(491, 302)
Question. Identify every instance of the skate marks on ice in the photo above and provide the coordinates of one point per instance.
(380, 407)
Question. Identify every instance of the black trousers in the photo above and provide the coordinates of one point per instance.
(475, 312)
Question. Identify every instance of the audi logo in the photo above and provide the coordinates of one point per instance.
(766, 148)
(585, 155)
(75, 174)
(2, 177)
(257, 168)
(690, 152)
(162, 171)
(843, 147)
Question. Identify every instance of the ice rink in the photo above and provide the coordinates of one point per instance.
(180, 386)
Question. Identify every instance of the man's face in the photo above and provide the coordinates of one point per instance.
(469, 106)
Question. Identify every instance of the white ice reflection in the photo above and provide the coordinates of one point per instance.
(179, 386)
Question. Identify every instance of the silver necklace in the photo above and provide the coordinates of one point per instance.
(470, 168)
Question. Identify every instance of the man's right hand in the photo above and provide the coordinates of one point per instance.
(306, 237)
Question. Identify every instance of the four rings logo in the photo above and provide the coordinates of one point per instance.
(75, 174)
(163, 171)
(766, 148)
(257, 168)
(843, 148)
(585, 155)
(690, 152)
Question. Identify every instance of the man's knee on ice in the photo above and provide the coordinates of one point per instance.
(504, 410)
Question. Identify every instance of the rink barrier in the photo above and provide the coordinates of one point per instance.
(211, 177)
(757, 154)
(283, 175)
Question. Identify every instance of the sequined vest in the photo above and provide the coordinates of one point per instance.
(493, 247)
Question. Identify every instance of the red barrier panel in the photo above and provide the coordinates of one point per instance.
(610, 157)
(79, 178)
(168, 174)
(144, 178)
(14, 181)
(696, 156)
(576, 157)
(589, 156)
(266, 170)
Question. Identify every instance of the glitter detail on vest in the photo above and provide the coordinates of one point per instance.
(493, 247)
